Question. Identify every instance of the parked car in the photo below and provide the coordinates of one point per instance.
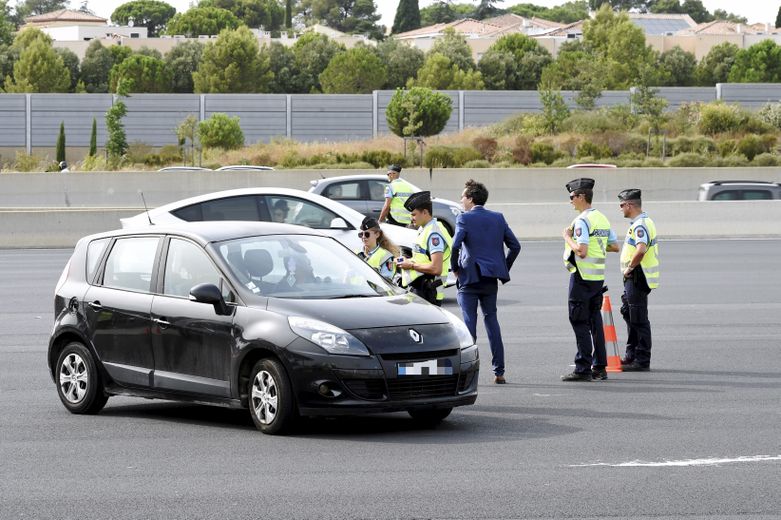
(271, 205)
(278, 319)
(243, 168)
(366, 195)
(184, 169)
(591, 165)
(739, 190)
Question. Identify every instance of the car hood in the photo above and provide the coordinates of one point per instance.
(363, 313)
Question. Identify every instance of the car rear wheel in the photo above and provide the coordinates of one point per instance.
(271, 403)
(78, 382)
(429, 417)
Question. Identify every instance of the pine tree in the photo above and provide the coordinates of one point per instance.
(61, 143)
(93, 139)
(407, 16)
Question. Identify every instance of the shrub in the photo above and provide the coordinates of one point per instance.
(464, 154)
(291, 159)
(602, 120)
(477, 163)
(717, 118)
(727, 147)
(510, 126)
(93, 163)
(688, 160)
(544, 153)
(587, 148)
(486, 146)
(522, 151)
(449, 156)
(653, 162)
(735, 161)
(750, 146)
(681, 145)
(137, 152)
(27, 163)
(382, 158)
(771, 114)
(221, 131)
(418, 111)
(765, 159)
(562, 162)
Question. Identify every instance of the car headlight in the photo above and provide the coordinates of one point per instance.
(333, 339)
(464, 336)
(455, 211)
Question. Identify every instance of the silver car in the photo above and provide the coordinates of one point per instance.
(366, 195)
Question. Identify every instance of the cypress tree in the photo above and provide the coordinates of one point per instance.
(407, 16)
(778, 18)
(289, 14)
(93, 139)
(61, 143)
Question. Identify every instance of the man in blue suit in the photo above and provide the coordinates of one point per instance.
(479, 262)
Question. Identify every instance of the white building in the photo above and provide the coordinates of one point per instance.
(70, 25)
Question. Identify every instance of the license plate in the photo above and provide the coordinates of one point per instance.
(431, 367)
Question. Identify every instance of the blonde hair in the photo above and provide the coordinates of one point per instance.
(385, 242)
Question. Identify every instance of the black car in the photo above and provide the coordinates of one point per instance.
(276, 318)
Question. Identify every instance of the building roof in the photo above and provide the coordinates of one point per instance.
(564, 30)
(64, 15)
(652, 23)
(466, 26)
(513, 20)
(725, 27)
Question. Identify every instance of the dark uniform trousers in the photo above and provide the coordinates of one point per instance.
(634, 310)
(585, 306)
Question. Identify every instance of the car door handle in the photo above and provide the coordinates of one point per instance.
(95, 305)
(163, 324)
(376, 210)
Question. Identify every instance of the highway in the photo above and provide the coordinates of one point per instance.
(698, 436)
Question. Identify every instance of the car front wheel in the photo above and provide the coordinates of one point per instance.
(271, 401)
(78, 382)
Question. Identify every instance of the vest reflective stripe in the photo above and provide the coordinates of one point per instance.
(650, 262)
(401, 191)
(592, 267)
(420, 255)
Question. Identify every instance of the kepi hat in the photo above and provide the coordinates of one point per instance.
(583, 183)
(417, 200)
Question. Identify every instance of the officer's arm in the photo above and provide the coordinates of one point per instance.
(433, 268)
(385, 210)
(612, 248)
(580, 249)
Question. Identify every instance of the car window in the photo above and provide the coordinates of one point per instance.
(94, 252)
(129, 265)
(757, 195)
(727, 195)
(343, 191)
(244, 207)
(186, 266)
(377, 190)
(292, 210)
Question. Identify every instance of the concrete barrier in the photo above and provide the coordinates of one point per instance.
(62, 227)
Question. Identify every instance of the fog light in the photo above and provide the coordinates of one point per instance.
(324, 390)
(328, 389)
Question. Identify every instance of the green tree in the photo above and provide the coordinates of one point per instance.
(34, 7)
(514, 62)
(354, 71)
(696, 10)
(486, 9)
(116, 143)
(554, 110)
(93, 139)
(646, 100)
(778, 18)
(677, 68)
(6, 25)
(202, 20)
(760, 63)
(721, 14)
(444, 12)
(567, 12)
(439, 73)
(453, 46)
(119, 53)
(233, 64)
(575, 69)
(95, 67)
(71, 62)
(141, 74)
(402, 61)
(60, 147)
(151, 14)
(148, 51)
(350, 16)
(188, 131)
(182, 60)
(282, 63)
(407, 16)
(221, 131)
(39, 69)
(268, 14)
(313, 52)
(715, 66)
(288, 14)
(418, 112)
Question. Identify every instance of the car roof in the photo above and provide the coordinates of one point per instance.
(361, 177)
(243, 167)
(591, 165)
(213, 231)
(753, 183)
(183, 168)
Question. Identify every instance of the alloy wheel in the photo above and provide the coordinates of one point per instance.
(74, 379)
(264, 397)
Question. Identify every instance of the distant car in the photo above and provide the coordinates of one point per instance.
(271, 205)
(276, 319)
(184, 169)
(243, 168)
(592, 165)
(739, 190)
(366, 195)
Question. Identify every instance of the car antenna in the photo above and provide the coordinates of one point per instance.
(146, 209)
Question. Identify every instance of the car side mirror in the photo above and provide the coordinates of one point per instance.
(339, 223)
(210, 293)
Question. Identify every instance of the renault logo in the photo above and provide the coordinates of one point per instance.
(415, 336)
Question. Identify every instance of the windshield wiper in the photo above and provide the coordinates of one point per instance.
(343, 296)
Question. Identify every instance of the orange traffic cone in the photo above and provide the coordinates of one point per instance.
(614, 361)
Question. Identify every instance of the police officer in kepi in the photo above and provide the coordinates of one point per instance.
(426, 272)
(587, 239)
(396, 194)
(640, 267)
(377, 249)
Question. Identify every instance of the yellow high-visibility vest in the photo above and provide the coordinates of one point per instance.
(650, 262)
(401, 190)
(592, 267)
(378, 257)
(421, 255)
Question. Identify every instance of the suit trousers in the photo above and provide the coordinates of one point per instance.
(585, 306)
(485, 294)
(634, 310)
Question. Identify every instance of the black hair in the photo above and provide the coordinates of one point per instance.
(587, 193)
(476, 191)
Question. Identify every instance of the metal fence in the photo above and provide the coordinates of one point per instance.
(32, 120)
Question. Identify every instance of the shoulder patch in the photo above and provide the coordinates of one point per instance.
(435, 241)
(640, 233)
(578, 232)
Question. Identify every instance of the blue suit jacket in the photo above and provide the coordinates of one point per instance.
(478, 246)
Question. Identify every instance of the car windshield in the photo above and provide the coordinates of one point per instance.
(302, 267)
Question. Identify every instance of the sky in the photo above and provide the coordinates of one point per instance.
(755, 10)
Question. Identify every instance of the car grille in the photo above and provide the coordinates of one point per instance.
(373, 389)
(414, 387)
(410, 356)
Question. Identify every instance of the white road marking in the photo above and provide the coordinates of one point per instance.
(680, 463)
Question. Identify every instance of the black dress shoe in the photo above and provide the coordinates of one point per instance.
(577, 376)
(626, 361)
(599, 374)
(634, 367)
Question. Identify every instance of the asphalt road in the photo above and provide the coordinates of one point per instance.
(696, 437)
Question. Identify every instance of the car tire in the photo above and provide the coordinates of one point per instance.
(429, 417)
(271, 402)
(78, 381)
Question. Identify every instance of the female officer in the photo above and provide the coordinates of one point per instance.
(378, 251)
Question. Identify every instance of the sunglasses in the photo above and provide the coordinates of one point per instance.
(622, 204)
(572, 196)
(364, 234)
